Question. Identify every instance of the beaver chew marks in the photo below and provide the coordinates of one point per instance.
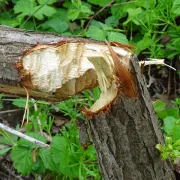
(67, 68)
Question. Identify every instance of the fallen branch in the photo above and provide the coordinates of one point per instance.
(21, 135)
(123, 126)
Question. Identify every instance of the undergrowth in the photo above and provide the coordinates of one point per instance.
(66, 159)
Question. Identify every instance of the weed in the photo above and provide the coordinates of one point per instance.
(66, 159)
(170, 118)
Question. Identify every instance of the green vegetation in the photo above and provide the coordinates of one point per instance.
(66, 159)
(170, 119)
(149, 25)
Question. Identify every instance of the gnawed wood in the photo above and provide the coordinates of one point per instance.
(63, 69)
(124, 133)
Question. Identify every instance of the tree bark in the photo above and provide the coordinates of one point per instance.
(13, 42)
(124, 136)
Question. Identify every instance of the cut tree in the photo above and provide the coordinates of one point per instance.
(123, 124)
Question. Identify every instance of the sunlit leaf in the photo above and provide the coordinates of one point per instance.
(116, 36)
(159, 105)
(96, 33)
(42, 11)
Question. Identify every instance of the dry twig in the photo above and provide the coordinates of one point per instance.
(21, 135)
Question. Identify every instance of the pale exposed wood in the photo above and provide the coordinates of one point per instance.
(13, 42)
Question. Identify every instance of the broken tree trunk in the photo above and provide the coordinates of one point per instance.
(125, 138)
(123, 125)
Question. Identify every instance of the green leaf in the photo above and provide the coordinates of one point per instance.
(176, 103)
(58, 149)
(143, 44)
(150, 4)
(168, 141)
(169, 123)
(60, 14)
(7, 19)
(174, 112)
(96, 93)
(112, 21)
(73, 14)
(160, 147)
(46, 1)
(65, 157)
(164, 155)
(29, 25)
(25, 8)
(85, 9)
(96, 33)
(38, 167)
(21, 102)
(15, 1)
(4, 150)
(83, 12)
(176, 133)
(176, 143)
(159, 105)
(117, 11)
(1, 96)
(77, 3)
(22, 159)
(101, 3)
(176, 7)
(44, 11)
(116, 36)
(120, 11)
(56, 24)
(46, 156)
(29, 127)
(132, 15)
(7, 138)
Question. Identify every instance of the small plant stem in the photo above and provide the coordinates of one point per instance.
(92, 17)
(169, 81)
(117, 4)
(41, 6)
(39, 121)
(26, 111)
(150, 77)
(7, 136)
(21, 135)
(10, 111)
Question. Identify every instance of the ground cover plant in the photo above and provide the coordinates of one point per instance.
(66, 159)
(151, 26)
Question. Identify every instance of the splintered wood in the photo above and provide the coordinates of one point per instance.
(68, 67)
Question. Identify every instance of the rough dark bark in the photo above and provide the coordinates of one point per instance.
(125, 136)
(13, 42)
